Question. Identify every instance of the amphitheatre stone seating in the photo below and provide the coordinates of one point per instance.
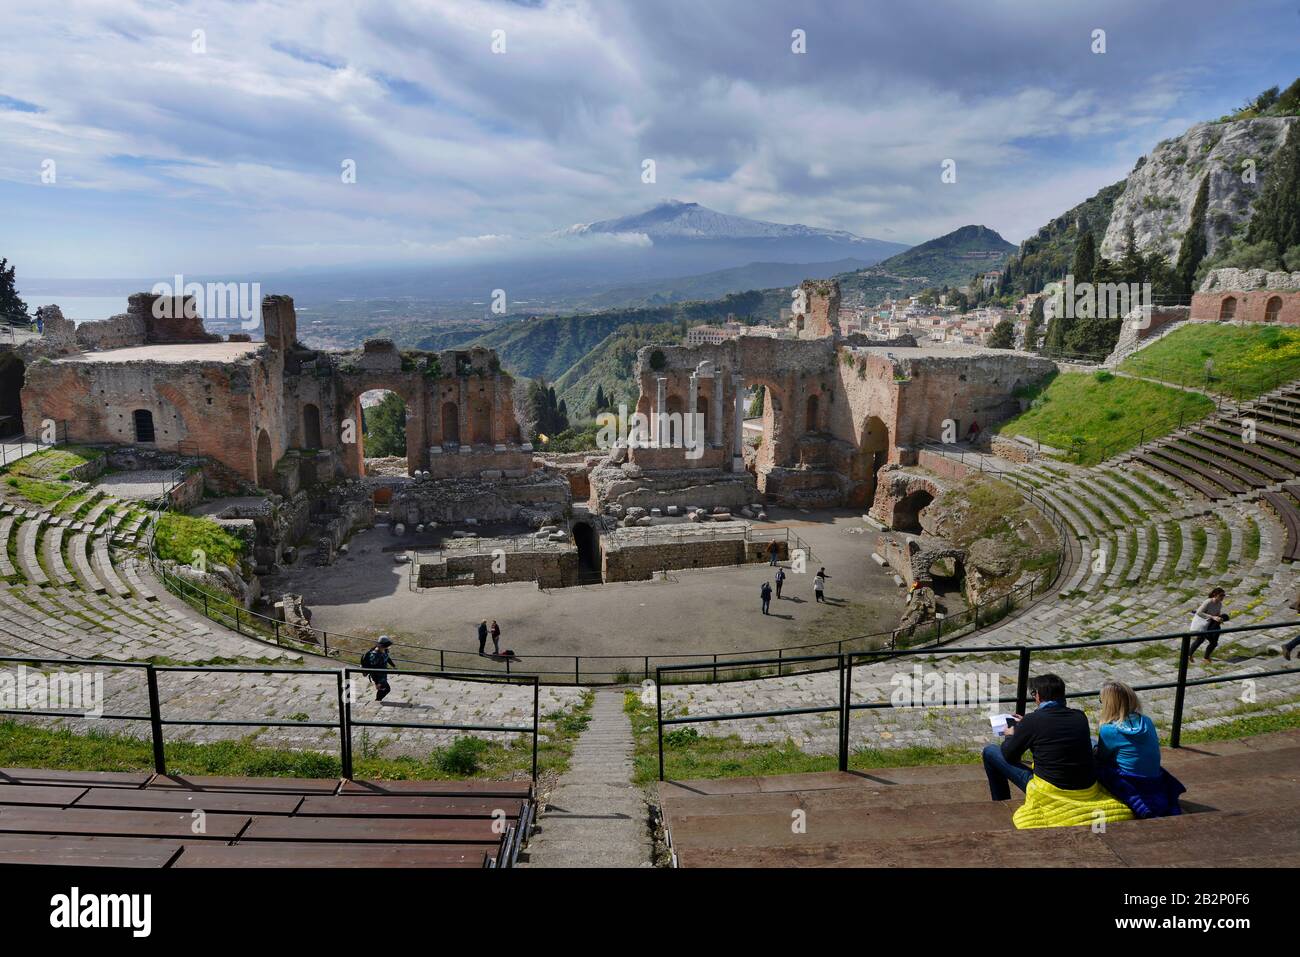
(138, 819)
(1238, 811)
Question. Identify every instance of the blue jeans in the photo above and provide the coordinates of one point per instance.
(1000, 771)
(766, 601)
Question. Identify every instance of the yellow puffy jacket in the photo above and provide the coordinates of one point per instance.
(1049, 806)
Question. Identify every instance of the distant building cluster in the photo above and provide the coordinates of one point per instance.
(936, 323)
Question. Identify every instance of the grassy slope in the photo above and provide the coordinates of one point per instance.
(1106, 416)
(1247, 360)
(179, 535)
(32, 746)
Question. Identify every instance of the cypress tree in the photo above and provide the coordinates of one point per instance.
(1192, 250)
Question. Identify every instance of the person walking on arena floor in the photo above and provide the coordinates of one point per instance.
(482, 636)
(780, 580)
(495, 632)
(766, 594)
(819, 584)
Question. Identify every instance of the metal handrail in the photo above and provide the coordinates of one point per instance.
(844, 664)
(344, 723)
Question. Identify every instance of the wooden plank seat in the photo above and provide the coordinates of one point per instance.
(371, 830)
(1285, 508)
(61, 850)
(299, 854)
(247, 785)
(1267, 472)
(108, 823)
(1213, 466)
(42, 795)
(501, 789)
(408, 805)
(1210, 491)
(183, 799)
(102, 779)
(1262, 448)
(1203, 470)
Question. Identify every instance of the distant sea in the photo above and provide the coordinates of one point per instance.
(77, 308)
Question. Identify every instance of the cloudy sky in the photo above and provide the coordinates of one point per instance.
(176, 151)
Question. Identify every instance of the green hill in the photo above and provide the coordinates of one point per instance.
(948, 260)
(1048, 254)
(549, 346)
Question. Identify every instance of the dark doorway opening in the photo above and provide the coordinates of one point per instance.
(310, 427)
(11, 393)
(908, 510)
(143, 425)
(584, 536)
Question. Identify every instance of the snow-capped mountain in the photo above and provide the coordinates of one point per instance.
(675, 219)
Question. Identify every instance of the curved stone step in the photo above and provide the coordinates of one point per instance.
(28, 534)
(54, 556)
(97, 511)
(131, 573)
(6, 532)
(104, 569)
(80, 549)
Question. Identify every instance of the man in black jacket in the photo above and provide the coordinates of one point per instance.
(1057, 735)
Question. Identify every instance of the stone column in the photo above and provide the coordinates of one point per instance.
(693, 436)
(462, 412)
(738, 441)
(661, 412)
(716, 406)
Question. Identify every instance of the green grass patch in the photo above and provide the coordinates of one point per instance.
(37, 491)
(51, 463)
(178, 536)
(1247, 360)
(31, 746)
(1092, 419)
(693, 755)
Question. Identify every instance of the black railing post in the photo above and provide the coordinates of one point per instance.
(345, 733)
(155, 722)
(1022, 682)
(659, 718)
(1176, 729)
(537, 698)
(846, 679)
(576, 672)
(715, 669)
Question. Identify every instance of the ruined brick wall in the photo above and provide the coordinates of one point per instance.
(1256, 305)
(199, 408)
(635, 554)
(821, 319)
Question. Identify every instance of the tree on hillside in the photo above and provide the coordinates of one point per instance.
(600, 403)
(12, 309)
(1192, 250)
(1003, 335)
(1085, 258)
(385, 427)
(543, 415)
(1276, 220)
(1034, 327)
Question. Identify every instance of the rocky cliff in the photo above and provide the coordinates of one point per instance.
(1159, 193)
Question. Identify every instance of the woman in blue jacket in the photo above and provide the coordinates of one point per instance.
(1128, 755)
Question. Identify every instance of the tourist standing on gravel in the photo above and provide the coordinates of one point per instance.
(819, 584)
(482, 636)
(1206, 622)
(772, 553)
(377, 662)
(766, 593)
(495, 632)
(780, 580)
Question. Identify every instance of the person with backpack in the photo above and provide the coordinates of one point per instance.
(766, 593)
(377, 662)
(780, 580)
